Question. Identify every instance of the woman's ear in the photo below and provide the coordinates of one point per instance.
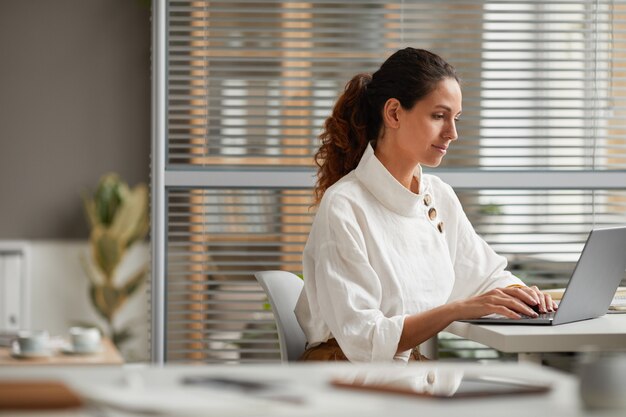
(391, 116)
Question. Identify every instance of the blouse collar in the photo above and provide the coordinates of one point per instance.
(385, 188)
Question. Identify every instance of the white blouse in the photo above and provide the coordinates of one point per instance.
(375, 254)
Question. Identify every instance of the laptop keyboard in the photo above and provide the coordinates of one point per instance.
(541, 316)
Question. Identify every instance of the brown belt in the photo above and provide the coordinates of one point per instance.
(330, 351)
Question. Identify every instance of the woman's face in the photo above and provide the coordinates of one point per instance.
(426, 131)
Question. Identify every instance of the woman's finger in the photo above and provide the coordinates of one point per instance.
(506, 312)
(514, 304)
(548, 301)
(525, 294)
(542, 299)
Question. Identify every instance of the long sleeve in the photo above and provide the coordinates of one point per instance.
(348, 291)
(477, 267)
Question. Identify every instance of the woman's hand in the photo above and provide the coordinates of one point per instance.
(543, 302)
(509, 302)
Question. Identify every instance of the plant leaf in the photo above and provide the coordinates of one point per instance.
(130, 221)
(98, 302)
(90, 210)
(111, 297)
(107, 300)
(92, 273)
(135, 281)
(107, 251)
(121, 336)
(141, 198)
(108, 197)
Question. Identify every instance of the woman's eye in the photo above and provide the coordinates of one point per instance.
(438, 116)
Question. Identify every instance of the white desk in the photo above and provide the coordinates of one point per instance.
(606, 333)
(311, 383)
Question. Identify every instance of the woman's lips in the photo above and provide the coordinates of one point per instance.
(441, 148)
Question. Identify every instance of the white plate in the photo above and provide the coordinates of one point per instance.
(68, 350)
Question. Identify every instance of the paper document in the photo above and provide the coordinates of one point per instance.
(618, 303)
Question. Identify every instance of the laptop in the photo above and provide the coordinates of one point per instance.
(590, 290)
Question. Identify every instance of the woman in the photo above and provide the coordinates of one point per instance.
(391, 258)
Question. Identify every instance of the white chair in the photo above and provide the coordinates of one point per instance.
(283, 289)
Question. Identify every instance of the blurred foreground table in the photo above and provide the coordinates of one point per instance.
(296, 390)
(109, 356)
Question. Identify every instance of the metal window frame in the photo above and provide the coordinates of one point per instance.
(162, 179)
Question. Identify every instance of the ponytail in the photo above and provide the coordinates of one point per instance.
(344, 137)
(408, 75)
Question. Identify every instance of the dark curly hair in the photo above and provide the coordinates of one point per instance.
(408, 75)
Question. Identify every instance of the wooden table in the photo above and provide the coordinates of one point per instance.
(109, 356)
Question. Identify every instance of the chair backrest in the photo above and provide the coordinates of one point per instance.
(283, 289)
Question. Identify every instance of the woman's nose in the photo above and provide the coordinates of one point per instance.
(451, 132)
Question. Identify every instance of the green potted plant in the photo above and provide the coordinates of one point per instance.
(118, 217)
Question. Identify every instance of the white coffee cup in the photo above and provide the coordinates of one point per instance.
(85, 339)
(33, 342)
(603, 381)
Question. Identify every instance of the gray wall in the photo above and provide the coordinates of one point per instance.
(74, 104)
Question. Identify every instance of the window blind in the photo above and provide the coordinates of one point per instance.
(217, 239)
(242, 89)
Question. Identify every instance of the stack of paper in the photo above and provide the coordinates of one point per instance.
(618, 303)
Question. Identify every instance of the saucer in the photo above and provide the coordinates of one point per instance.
(69, 350)
(15, 352)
